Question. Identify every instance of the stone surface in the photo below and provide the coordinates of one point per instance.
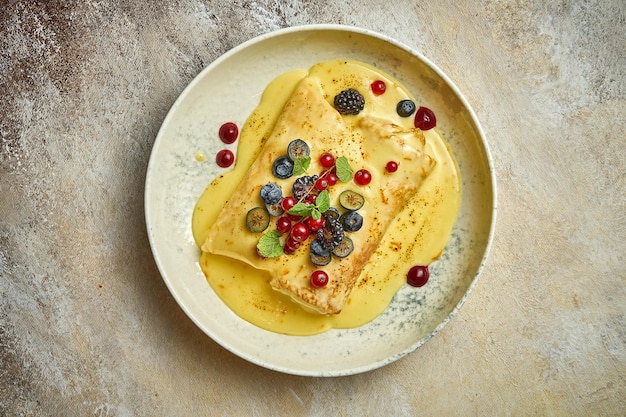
(87, 326)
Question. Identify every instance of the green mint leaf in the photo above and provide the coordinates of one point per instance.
(301, 209)
(301, 164)
(322, 201)
(342, 166)
(269, 244)
(316, 214)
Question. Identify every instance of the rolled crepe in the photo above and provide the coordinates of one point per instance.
(367, 140)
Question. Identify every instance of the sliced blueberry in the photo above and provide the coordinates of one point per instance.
(345, 248)
(331, 213)
(257, 219)
(351, 200)
(275, 210)
(271, 193)
(320, 260)
(282, 167)
(297, 149)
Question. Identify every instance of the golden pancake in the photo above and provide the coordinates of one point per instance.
(366, 140)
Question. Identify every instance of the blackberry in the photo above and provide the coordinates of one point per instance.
(303, 186)
(349, 101)
(331, 235)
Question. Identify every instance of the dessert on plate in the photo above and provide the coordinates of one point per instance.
(340, 181)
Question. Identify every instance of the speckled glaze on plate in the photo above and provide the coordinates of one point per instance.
(228, 90)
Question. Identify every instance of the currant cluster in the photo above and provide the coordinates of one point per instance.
(297, 225)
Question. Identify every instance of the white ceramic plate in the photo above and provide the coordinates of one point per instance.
(229, 89)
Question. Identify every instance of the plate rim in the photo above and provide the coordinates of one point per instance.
(480, 136)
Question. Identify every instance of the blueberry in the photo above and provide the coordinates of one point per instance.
(283, 167)
(331, 213)
(271, 193)
(297, 149)
(405, 108)
(317, 248)
(351, 221)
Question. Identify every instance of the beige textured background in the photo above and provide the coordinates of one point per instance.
(87, 326)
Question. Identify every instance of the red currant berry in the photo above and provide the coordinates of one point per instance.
(332, 178)
(293, 218)
(321, 184)
(362, 177)
(425, 118)
(378, 87)
(299, 232)
(418, 275)
(288, 202)
(327, 160)
(225, 158)
(291, 245)
(310, 198)
(315, 225)
(319, 279)
(283, 224)
(392, 166)
(228, 132)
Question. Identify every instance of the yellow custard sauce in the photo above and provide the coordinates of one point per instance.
(417, 235)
